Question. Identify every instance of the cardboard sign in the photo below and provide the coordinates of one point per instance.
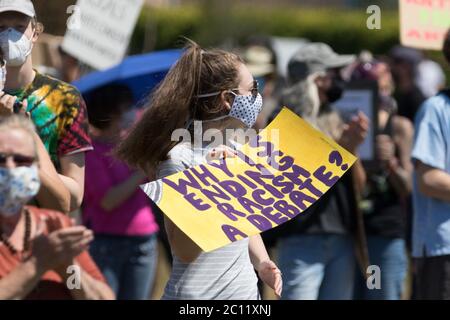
(275, 177)
(424, 23)
(99, 31)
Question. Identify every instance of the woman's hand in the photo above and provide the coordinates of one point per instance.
(269, 273)
(221, 152)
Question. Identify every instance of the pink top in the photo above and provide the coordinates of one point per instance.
(134, 217)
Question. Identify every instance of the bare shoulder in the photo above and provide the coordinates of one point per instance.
(403, 127)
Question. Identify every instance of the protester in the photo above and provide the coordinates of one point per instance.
(56, 108)
(389, 183)
(38, 246)
(404, 64)
(115, 208)
(431, 228)
(203, 85)
(316, 249)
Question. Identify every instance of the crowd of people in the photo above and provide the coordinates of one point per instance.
(61, 153)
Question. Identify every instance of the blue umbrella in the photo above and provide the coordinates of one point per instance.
(141, 73)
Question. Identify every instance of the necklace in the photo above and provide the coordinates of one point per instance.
(26, 238)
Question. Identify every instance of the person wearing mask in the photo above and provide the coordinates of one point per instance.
(386, 195)
(204, 86)
(316, 251)
(56, 108)
(114, 207)
(52, 194)
(42, 254)
(431, 195)
(404, 67)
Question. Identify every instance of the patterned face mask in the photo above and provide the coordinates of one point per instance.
(246, 108)
(17, 187)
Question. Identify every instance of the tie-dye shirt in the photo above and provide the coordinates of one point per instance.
(59, 114)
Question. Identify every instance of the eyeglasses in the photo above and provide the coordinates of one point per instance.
(254, 91)
(19, 160)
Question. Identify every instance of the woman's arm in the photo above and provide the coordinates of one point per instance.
(21, 281)
(267, 270)
(401, 169)
(120, 193)
(258, 252)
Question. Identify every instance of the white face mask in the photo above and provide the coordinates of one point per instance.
(17, 187)
(16, 47)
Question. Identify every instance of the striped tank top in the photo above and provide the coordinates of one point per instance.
(224, 274)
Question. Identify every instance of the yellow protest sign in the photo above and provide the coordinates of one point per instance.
(273, 178)
(424, 23)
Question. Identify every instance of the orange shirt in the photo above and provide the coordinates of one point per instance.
(51, 286)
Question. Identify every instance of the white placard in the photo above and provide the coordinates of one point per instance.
(100, 30)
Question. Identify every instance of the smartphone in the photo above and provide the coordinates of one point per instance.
(17, 106)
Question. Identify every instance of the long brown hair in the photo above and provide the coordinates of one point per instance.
(174, 103)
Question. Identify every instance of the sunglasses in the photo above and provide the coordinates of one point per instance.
(254, 91)
(19, 160)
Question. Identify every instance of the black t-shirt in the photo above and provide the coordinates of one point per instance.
(409, 102)
(333, 213)
(384, 212)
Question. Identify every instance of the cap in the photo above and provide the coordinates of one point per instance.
(409, 55)
(315, 57)
(258, 60)
(23, 6)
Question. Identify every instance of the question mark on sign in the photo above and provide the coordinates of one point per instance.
(335, 157)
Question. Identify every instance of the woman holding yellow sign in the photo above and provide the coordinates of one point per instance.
(214, 87)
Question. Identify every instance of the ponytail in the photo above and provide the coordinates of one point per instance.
(175, 102)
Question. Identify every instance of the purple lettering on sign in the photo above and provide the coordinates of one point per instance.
(205, 175)
(196, 203)
(219, 193)
(286, 186)
(234, 188)
(258, 178)
(257, 195)
(233, 233)
(182, 185)
(228, 210)
(259, 222)
(307, 184)
(336, 158)
(247, 182)
(222, 165)
(248, 204)
(276, 217)
(285, 208)
(326, 178)
(299, 198)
